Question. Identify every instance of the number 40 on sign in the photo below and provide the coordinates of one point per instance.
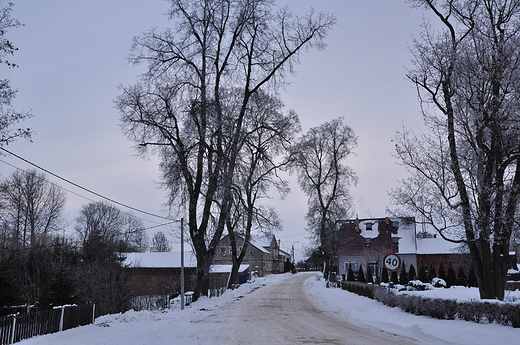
(392, 262)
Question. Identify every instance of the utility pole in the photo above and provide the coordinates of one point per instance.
(182, 263)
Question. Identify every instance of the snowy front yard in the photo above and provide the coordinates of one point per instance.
(183, 327)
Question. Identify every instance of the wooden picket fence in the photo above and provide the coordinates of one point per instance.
(25, 325)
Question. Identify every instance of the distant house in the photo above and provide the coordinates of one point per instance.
(264, 255)
(367, 241)
(160, 273)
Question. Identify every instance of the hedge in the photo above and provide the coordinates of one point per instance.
(481, 312)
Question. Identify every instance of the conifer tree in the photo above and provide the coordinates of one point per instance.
(384, 276)
(393, 277)
(423, 277)
(431, 273)
(403, 276)
(442, 272)
(451, 277)
(350, 275)
(472, 278)
(412, 275)
(361, 275)
(462, 280)
(370, 278)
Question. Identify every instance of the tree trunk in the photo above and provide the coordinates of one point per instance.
(203, 267)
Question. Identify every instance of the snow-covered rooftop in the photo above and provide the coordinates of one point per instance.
(260, 242)
(226, 268)
(406, 234)
(436, 245)
(160, 260)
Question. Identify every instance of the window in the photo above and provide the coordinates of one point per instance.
(352, 265)
(368, 241)
(222, 251)
(368, 225)
(395, 240)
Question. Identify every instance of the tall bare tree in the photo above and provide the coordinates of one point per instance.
(32, 209)
(185, 107)
(8, 116)
(320, 162)
(269, 135)
(465, 173)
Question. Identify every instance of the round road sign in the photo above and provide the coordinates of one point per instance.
(392, 262)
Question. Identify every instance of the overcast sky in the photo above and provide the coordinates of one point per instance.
(73, 55)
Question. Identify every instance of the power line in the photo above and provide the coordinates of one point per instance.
(82, 196)
(85, 189)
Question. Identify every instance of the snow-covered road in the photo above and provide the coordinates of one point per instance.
(283, 313)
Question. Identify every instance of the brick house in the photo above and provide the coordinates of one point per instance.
(159, 273)
(264, 255)
(155, 273)
(367, 241)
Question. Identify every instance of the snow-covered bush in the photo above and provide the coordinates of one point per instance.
(417, 285)
(438, 282)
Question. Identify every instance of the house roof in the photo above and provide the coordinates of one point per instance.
(436, 245)
(160, 260)
(227, 268)
(172, 259)
(261, 243)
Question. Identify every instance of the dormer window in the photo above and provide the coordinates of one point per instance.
(368, 225)
(368, 241)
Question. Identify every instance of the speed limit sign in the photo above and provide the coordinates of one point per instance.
(392, 262)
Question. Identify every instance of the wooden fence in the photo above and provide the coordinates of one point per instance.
(24, 325)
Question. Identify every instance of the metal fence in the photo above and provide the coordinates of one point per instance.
(28, 324)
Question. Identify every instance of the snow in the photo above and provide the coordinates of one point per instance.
(226, 268)
(184, 326)
(436, 245)
(160, 260)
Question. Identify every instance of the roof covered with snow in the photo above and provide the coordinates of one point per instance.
(226, 268)
(261, 242)
(406, 235)
(436, 245)
(160, 260)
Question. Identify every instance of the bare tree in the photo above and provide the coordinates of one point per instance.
(32, 209)
(465, 173)
(270, 133)
(320, 162)
(160, 243)
(102, 226)
(105, 233)
(186, 109)
(8, 116)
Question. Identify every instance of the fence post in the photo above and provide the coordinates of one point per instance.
(60, 328)
(11, 340)
(93, 312)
